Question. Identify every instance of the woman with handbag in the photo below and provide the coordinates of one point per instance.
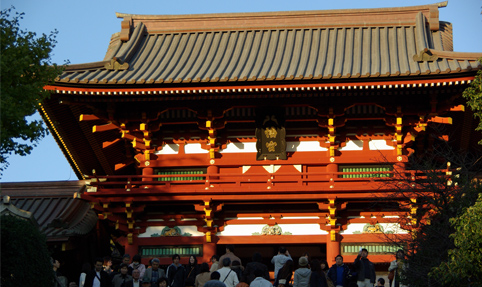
(396, 269)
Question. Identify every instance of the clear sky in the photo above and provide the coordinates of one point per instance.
(85, 28)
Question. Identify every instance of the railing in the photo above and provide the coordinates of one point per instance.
(304, 180)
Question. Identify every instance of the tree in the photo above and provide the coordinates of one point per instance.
(463, 265)
(473, 95)
(434, 189)
(25, 258)
(25, 68)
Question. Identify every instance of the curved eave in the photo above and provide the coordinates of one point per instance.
(60, 142)
(119, 90)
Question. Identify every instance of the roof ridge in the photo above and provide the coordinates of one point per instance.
(319, 18)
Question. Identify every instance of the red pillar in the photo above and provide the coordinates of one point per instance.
(332, 167)
(332, 248)
(147, 171)
(132, 249)
(212, 169)
(209, 249)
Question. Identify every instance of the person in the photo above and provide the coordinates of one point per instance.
(339, 273)
(248, 273)
(192, 270)
(238, 269)
(308, 258)
(365, 269)
(136, 264)
(324, 267)
(162, 282)
(215, 265)
(214, 282)
(284, 274)
(176, 272)
(381, 282)
(302, 274)
(59, 280)
(97, 276)
(203, 276)
(259, 280)
(398, 266)
(107, 264)
(154, 273)
(120, 279)
(135, 281)
(317, 277)
(228, 276)
(229, 254)
(85, 269)
(280, 259)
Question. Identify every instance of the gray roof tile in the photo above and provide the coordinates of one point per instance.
(237, 55)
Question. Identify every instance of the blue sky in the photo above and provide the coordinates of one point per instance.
(85, 28)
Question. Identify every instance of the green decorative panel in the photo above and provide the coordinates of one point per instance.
(168, 251)
(365, 168)
(373, 248)
(179, 174)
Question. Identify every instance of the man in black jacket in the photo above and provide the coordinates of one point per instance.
(365, 269)
(339, 273)
(176, 273)
(97, 277)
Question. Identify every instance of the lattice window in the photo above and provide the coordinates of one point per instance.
(373, 248)
(358, 169)
(181, 174)
(168, 251)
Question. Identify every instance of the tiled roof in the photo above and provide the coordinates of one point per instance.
(313, 45)
(58, 213)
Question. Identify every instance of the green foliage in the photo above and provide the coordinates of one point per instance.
(439, 202)
(25, 259)
(473, 95)
(465, 260)
(25, 69)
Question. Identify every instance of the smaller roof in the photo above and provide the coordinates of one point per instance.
(6, 208)
(59, 212)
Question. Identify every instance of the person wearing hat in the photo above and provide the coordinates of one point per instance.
(121, 278)
(154, 273)
(302, 274)
(365, 269)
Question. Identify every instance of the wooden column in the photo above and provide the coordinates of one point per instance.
(332, 248)
(147, 171)
(209, 249)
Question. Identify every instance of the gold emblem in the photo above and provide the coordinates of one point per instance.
(270, 132)
(271, 146)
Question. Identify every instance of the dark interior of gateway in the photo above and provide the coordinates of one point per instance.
(245, 251)
(315, 251)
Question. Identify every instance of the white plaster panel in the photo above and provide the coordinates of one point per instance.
(241, 229)
(355, 145)
(240, 147)
(192, 229)
(304, 146)
(169, 149)
(294, 229)
(379, 145)
(194, 148)
(358, 227)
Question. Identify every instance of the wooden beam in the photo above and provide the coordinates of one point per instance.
(103, 128)
(83, 118)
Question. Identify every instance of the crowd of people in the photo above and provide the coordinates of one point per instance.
(228, 271)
